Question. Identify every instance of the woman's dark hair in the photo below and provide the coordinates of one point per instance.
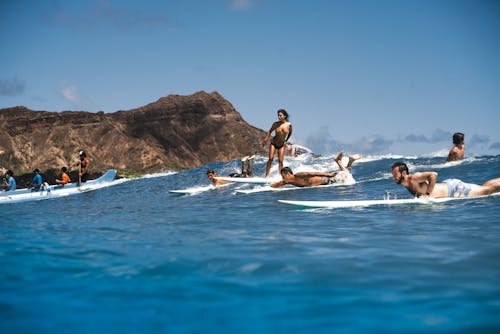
(284, 112)
(401, 166)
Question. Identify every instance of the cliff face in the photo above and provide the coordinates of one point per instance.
(173, 133)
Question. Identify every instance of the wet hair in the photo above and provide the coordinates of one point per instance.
(210, 171)
(458, 138)
(401, 166)
(286, 170)
(284, 112)
(64, 169)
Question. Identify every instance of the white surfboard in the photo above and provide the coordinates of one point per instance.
(365, 203)
(256, 180)
(288, 187)
(195, 190)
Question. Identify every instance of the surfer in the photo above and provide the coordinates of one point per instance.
(9, 183)
(283, 131)
(64, 177)
(312, 179)
(457, 151)
(84, 167)
(246, 171)
(425, 184)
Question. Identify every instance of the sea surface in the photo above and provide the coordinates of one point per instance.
(135, 258)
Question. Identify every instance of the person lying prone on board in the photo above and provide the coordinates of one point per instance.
(313, 179)
(425, 184)
(245, 171)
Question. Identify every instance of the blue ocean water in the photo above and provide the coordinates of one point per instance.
(134, 258)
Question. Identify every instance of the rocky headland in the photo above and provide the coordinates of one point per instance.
(174, 133)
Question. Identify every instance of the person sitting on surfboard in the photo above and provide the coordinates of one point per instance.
(425, 184)
(283, 131)
(312, 179)
(457, 152)
(245, 171)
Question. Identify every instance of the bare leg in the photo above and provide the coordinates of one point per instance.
(272, 151)
(352, 158)
(281, 157)
(338, 160)
(243, 166)
(250, 166)
(488, 188)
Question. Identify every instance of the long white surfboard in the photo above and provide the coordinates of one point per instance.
(288, 187)
(195, 190)
(365, 203)
(257, 180)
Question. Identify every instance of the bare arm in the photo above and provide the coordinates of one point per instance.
(278, 184)
(289, 133)
(423, 182)
(268, 134)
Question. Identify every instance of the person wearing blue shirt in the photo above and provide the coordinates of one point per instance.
(37, 180)
(9, 181)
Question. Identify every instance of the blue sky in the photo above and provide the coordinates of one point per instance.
(378, 77)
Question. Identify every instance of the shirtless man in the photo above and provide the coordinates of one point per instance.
(245, 172)
(457, 151)
(84, 167)
(424, 184)
(283, 131)
(313, 179)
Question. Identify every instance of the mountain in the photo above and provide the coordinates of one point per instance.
(174, 133)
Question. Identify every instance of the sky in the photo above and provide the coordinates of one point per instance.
(377, 77)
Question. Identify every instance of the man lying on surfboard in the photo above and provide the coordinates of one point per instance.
(313, 179)
(245, 171)
(425, 184)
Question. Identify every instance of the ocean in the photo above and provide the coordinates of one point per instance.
(135, 258)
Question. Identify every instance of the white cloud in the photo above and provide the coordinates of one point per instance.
(70, 93)
(241, 4)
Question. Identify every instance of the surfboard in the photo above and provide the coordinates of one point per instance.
(288, 187)
(365, 203)
(195, 190)
(255, 180)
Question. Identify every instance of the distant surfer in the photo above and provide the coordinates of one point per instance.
(425, 184)
(312, 179)
(457, 151)
(283, 131)
(246, 171)
(294, 150)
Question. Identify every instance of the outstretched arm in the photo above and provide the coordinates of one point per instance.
(278, 184)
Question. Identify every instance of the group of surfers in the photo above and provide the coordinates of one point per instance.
(9, 183)
(419, 184)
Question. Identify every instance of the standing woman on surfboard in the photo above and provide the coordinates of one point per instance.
(283, 131)
(424, 184)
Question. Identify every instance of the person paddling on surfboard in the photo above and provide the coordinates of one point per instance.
(425, 184)
(312, 179)
(245, 171)
(283, 131)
